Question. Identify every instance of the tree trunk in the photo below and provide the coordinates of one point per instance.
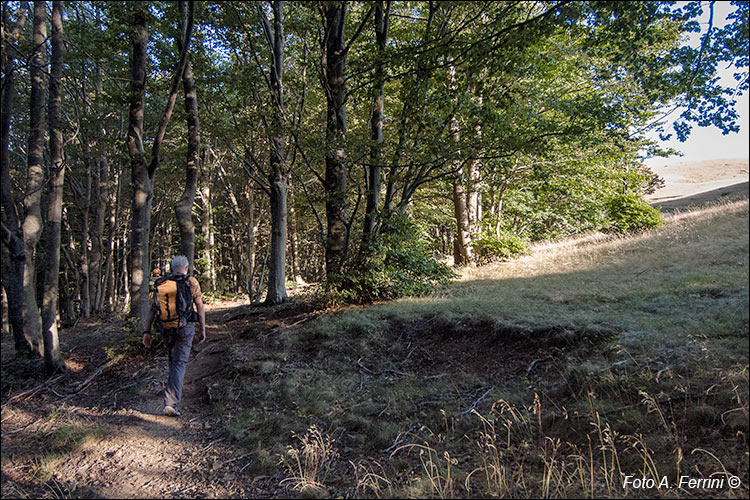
(184, 207)
(462, 247)
(141, 201)
(125, 271)
(252, 228)
(102, 199)
(13, 237)
(114, 205)
(474, 183)
(207, 231)
(32, 223)
(262, 275)
(142, 175)
(373, 176)
(84, 241)
(53, 361)
(294, 240)
(277, 267)
(72, 286)
(462, 254)
(4, 302)
(101, 195)
(473, 197)
(335, 149)
(278, 176)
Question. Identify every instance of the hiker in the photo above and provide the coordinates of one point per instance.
(172, 308)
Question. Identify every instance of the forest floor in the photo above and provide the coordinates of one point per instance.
(111, 439)
(636, 346)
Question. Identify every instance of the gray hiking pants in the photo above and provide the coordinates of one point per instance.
(179, 341)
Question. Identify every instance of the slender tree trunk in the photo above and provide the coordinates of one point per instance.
(335, 149)
(53, 361)
(252, 229)
(4, 302)
(184, 207)
(474, 183)
(473, 197)
(373, 170)
(84, 241)
(277, 179)
(102, 200)
(141, 202)
(13, 237)
(262, 274)
(125, 272)
(294, 240)
(32, 223)
(462, 254)
(101, 196)
(207, 230)
(72, 289)
(113, 205)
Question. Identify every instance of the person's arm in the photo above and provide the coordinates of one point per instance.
(201, 319)
(147, 334)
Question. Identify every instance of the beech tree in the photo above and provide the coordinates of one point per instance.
(14, 252)
(142, 175)
(32, 222)
(52, 356)
(184, 207)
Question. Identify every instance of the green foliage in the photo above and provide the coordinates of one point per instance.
(133, 341)
(401, 265)
(630, 213)
(489, 247)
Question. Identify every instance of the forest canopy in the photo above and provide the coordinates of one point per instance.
(353, 144)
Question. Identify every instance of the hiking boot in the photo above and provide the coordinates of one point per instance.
(171, 411)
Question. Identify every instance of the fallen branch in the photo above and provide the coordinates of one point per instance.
(102, 368)
(363, 367)
(299, 322)
(212, 443)
(535, 362)
(33, 390)
(476, 403)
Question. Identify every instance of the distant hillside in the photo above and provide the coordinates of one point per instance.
(691, 184)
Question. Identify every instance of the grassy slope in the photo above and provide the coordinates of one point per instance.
(556, 374)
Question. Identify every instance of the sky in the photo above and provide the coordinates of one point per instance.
(708, 143)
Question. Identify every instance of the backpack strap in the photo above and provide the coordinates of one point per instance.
(188, 314)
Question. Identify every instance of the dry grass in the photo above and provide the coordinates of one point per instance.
(605, 357)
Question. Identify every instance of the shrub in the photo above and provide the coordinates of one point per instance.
(490, 247)
(630, 213)
(400, 265)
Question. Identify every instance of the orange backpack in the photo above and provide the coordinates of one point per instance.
(175, 299)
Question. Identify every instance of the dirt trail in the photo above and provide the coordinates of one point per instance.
(135, 450)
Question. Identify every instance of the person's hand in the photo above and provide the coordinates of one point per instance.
(147, 340)
(201, 336)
